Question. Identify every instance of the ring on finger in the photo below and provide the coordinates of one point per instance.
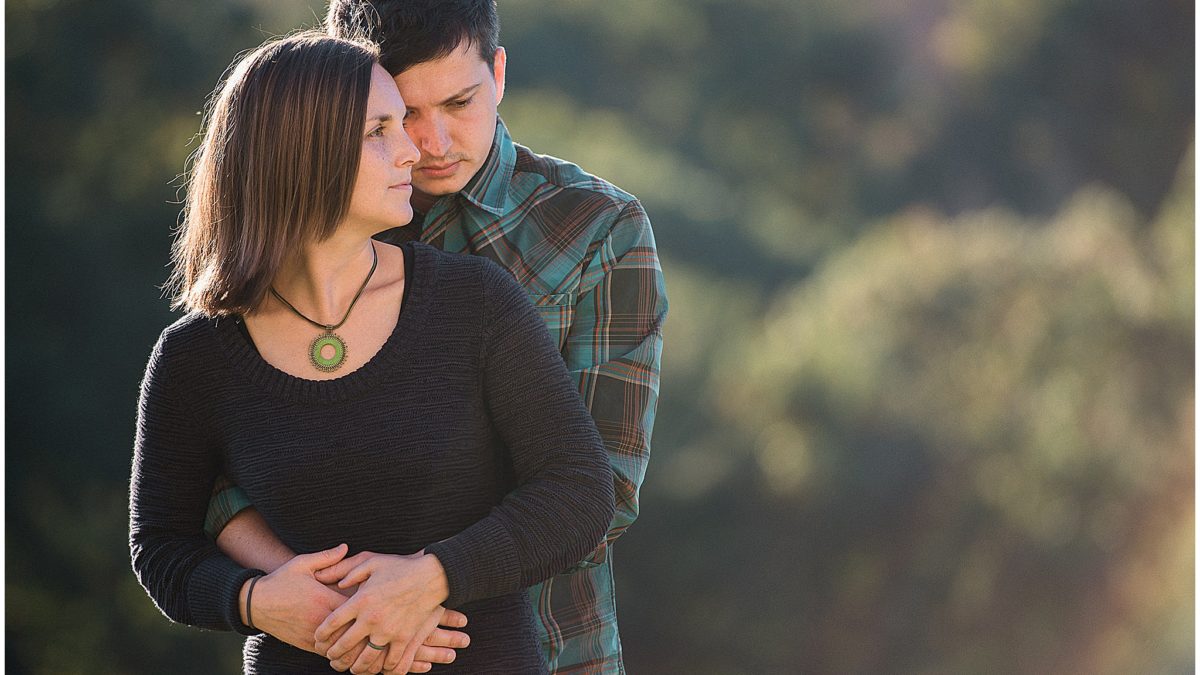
(374, 646)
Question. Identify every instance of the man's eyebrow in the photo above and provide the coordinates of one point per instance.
(460, 93)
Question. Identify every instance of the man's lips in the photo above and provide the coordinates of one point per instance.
(439, 170)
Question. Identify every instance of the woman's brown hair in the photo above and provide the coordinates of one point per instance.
(275, 170)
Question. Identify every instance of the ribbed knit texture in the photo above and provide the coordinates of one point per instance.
(463, 435)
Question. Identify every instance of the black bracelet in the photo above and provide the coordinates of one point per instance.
(250, 594)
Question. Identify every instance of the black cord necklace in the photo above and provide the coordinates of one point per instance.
(328, 351)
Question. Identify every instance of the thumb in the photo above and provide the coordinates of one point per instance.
(359, 574)
(330, 556)
(334, 573)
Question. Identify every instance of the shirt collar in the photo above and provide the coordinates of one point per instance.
(488, 188)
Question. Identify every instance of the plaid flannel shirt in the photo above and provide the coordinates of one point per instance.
(584, 251)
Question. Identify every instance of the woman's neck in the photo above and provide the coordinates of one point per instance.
(322, 279)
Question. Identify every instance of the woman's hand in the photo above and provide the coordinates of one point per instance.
(290, 603)
(438, 647)
(398, 605)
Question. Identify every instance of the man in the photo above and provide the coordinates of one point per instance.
(582, 248)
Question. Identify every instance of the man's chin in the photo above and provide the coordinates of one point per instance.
(425, 193)
(422, 200)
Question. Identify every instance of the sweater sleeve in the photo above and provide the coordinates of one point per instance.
(563, 504)
(174, 466)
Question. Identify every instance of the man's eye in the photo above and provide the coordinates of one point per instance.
(462, 103)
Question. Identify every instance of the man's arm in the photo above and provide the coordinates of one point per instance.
(614, 352)
(240, 532)
(249, 540)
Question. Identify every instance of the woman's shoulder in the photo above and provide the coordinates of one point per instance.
(188, 333)
(447, 260)
(184, 349)
(453, 269)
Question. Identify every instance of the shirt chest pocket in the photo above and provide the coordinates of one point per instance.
(558, 311)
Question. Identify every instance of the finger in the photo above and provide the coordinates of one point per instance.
(453, 619)
(339, 617)
(369, 660)
(357, 575)
(343, 662)
(349, 640)
(441, 637)
(343, 593)
(434, 654)
(416, 667)
(329, 556)
(399, 656)
(323, 646)
(332, 573)
(405, 662)
(335, 571)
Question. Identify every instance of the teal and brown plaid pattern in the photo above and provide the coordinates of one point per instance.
(585, 252)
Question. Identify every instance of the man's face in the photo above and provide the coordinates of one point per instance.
(451, 117)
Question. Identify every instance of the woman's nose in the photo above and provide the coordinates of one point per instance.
(407, 153)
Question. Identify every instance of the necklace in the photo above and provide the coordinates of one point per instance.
(328, 351)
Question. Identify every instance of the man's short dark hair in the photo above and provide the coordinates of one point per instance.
(410, 32)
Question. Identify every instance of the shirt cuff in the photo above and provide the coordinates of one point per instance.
(481, 562)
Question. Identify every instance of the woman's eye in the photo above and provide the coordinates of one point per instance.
(376, 132)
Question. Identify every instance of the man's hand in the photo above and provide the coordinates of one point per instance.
(398, 605)
(290, 603)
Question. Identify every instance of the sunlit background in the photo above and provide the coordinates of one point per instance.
(927, 400)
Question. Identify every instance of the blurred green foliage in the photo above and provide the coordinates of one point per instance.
(928, 389)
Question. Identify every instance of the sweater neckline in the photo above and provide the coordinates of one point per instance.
(245, 360)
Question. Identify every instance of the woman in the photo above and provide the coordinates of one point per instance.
(405, 402)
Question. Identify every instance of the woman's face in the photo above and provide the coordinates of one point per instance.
(380, 200)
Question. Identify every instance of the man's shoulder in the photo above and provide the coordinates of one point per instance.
(574, 193)
(568, 176)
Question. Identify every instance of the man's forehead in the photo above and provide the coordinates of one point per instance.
(431, 81)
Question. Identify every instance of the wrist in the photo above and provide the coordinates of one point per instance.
(437, 583)
(245, 600)
(243, 596)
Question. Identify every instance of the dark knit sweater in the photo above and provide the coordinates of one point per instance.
(463, 435)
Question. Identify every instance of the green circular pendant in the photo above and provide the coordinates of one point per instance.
(327, 352)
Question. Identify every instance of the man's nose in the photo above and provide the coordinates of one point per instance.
(433, 138)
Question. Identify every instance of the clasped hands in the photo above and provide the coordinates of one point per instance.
(394, 602)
